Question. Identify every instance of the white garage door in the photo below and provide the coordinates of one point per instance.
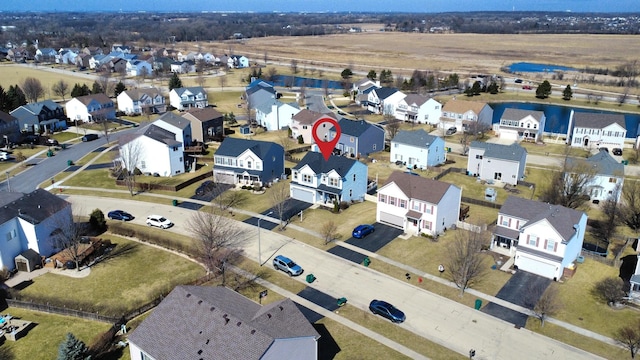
(392, 220)
(302, 195)
(534, 266)
(225, 177)
(508, 134)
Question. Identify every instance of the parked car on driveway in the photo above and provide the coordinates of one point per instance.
(120, 215)
(287, 265)
(159, 221)
(4, 156)
(362, 230)
(616, 151)
(52, 142)
(452, 130)
(387, 310)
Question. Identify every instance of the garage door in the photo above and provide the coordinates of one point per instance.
(534, 266)
(225, 177)
(392, 220)
(508, 134)
(302, 195)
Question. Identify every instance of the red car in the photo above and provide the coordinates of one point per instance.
(526, 87)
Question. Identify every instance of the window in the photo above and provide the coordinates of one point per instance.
(396, 145)
(551, 245)
(505, 221)
(180, 159)
(427, 225)
(143, 165)
(249, 164)
(350, 192)
(354, 177)
(12, 234)
(612, 180)
(295, 175)
(352, 139)
(479, 157)
(392, 200)
(416, 206)
(306, 178)
(241, 163)
(532, 241)
(333, 182)
(382, 198)
(403, 204)
(374, 146)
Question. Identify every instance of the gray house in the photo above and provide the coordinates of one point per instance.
(40, 117)
(248, 162)
(358, 138)
(495, 162)
(9, 128)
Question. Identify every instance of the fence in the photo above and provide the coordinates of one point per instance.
(471, 227)
(62, 311)
(480, 202)
(180, 186)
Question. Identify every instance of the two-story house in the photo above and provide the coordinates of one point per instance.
(274, 114)
(240, 161)
(40, 117)
(465, 114)
(302, 124)
(418, 205)
(496, 162)
(218, 323)
(91, 108)
(358, 138)
(137, 67)
(188, 97)
(206, 124)
(142, 101)
(594, 130)
(419, 109)
(155, 151)
(238, 61)
(384, 100)
(9, 129)
(521, 125)
(544, 239)
(607, 175)
(417, 149)
(177, 125)
(316, 181)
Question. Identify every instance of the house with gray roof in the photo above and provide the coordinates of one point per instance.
(596, 130)
(607, 175)
(154, 150)
(496, 162)
(543, 239)
(249, 162)
(417, 149)
(207, 323)
(142, 101)
(91, 108)
(383, 100)
(178, 125)
(188, 97)
(357, 138)
(29, 221)
(274, 114)
(9, 128)
(40, 117)
(206, 124)
(521, 125)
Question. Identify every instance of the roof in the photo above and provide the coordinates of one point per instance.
(33, 207)
(316, 162)
(462, 106)
(162, 135)
(175, 120)
(6, 118)
(266, 106)
(385, 92)
(204, 114)
(31, 255)
(308, 117)
(511, 152)
(419, 138)
(416, 99)
(192, 89)
(36, 108)
(354, 127)
(136, 94)
(561, 218)
(234, 147)
(597, 120)
(100, 98)
(604, 164)
(519, 114)
(205, 322)
(418, 187)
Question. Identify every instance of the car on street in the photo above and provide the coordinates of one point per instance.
(159, 221)
(362, 230)
(52, 142)
(526, 87)
(205, 188)
(452, 130)
(89, 137)
(287, 265)
(518, 81)
(387, 310)
(4, 156)
(616, 151)
(119, 215)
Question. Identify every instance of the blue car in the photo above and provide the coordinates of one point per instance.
(119, 215)
(387, 310)
(362, 230)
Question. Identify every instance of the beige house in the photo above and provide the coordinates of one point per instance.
(463, 114)
(302, 124)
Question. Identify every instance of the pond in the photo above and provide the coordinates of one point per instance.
(533, 67)
(558, 116)
(298, 81)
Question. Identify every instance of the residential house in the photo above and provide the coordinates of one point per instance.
(545, 239)
(594, 130)
(418, 205)
(40, 117)
(18, 54)
(30, 221)
(358, 138)
(318, 181)
(248, 162)
(362, 84)
(121, 48)
(138, 68)
(67, 56)
(274, 114)
(91, 108)
(302, 124)
(417, 149)
(496, 162)
(188, 97)
(116, 65)
(634, 290)
(141, 101)
(154, 151)
(521, 125)
(210, 59)
(607, 175)
(83, 61)
(183, 67)
(215, 322)
(206, 124)
(162, 64)
(259, 92)
(46, 55)
(465, 115)
(9, 128)
(238, 61)
(419, 109)
(177, 125)
(362, 96)
(384, 100)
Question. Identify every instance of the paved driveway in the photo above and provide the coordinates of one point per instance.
(375, 241)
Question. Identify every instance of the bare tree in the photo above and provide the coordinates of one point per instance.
(465, 262)
(104, 124)
(68, 237)
(131, 153)
(104, 80)
(392, 127)
(200, 78)
(329, 232)
(294, 66)
(222, 80)
(60, 88)
(224, 198)
(629, 337)
(605, 228)
(272, 74)
(218, 240)
(547, 304)
(610, 289)
(630, 207)
(265, 57)
(569, 186)
(278, 194)
(32, 89)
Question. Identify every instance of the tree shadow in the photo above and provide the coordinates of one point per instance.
(114, 251)
(328, 348)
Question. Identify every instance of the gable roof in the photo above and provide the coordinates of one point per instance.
(603, 163)
(418, 187)
(33, 207)
(597, 120)
(511, 152)
(519, 114)
(6, 118)
(418, 138)
(99, 98)
(308, 117)
(203, 114)
(234, 147)
(316, 162)
(192, 89)
(385, 92)
(205, 322)
(136, 94)
(36, 108)
(462, 106)
(416, 99)
(561, 218)
(266, 106)
(354, 127)
(175, 120)
(161, 135)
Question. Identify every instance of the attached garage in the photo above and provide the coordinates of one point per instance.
(303, 195)
(535, 266)
(392, 220)
(224, 177)
(508, 134)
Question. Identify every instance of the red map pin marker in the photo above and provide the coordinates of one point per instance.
(326, 147)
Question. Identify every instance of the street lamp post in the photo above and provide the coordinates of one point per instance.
(259, 245)
(8, 183)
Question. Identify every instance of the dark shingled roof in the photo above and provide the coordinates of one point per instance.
(234, 147)
(316, 162)
(175, 120)
(561, 218)
(162, 135)
(353, 127)
(204, 322)
(604, 164)
(418, 187)
(419, 138)
(511, 152)
(385, 92)
(33, 207)
(597, 120)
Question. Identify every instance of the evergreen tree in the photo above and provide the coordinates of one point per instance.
(76, 91)
(372, 75)
(120, 88)
(175, 82)
(72, 348)
(96, 88)
(493, 88)
(85, 90)
(346, 73)
(476, 88)
(386, 77)
(544, 90)
(16, 97)
(4, 101)
(567, 94)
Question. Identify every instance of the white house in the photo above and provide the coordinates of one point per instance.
(177, 125)
(302, 124)
(521, 125)
(274, 114)
(238, 61)
(544, 239)
(188, 97)
(496, 162)
(141, 101)
(91, 108)
(383, 100)
(634, 290)
(418, 205)
(464, 114)
(608, 175)
(139, 68)
(153, 152)
(417, 149)
(419, 109)
(594, 130)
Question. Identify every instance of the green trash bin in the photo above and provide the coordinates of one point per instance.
(342, 301)
(625, 162)
(69, 162)
(478, 304)
(49, 153)
(64, 146)
(311, 278)
(174, 202)
(366, 261)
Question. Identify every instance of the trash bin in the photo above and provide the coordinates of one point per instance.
(311, 278)
(69, 162)
(342, 301)
(64, 146)
(625, 162)
(366, 261)
(478, 304)
(49, 153)
(174, 202)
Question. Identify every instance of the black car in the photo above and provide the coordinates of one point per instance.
(616, 151)
(387, 310)
(603, 149)
(120, 215)
(89, 137)
(205, 188)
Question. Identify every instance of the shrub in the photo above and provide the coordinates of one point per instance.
(336, 207)
(344, 205)
(97, 220)
(300, 139)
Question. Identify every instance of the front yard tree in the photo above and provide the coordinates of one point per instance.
(567, 94)
(548, 302)
(119, 89)
(629, 337)
(131, 153)
(97, 221)
(610, 289)
(465, 262)
(72, 348)
(630, 207)
(329, 231)
(33, 89)
(567, 187)
(60, 88)
(278, 195)
(346, 73)
(544, 90)
(174, 82)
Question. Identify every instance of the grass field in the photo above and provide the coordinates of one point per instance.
(11, 74)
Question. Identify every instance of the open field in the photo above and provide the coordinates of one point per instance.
(15, 75)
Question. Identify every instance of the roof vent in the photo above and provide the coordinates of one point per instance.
(199, 302)
(253, 331)
(226, 321)
(207, 343)
(200, 352)
(212, 308)
(189, 295)
(269, 316)
(238, 324)
(281, 308)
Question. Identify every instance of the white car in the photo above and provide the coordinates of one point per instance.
(159, 221)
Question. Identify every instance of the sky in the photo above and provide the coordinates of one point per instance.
(415, 6)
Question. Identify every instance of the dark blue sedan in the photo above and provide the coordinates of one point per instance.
(362, 230)
(387, 310)
(119, 215)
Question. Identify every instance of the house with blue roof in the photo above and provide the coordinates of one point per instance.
(317, 181)
(497, 162)
(40, 117)
(357, 138)
(240, 161)
(607, 175)
(188, 97)
(91, 108)
(153, 151)
(417, 149)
